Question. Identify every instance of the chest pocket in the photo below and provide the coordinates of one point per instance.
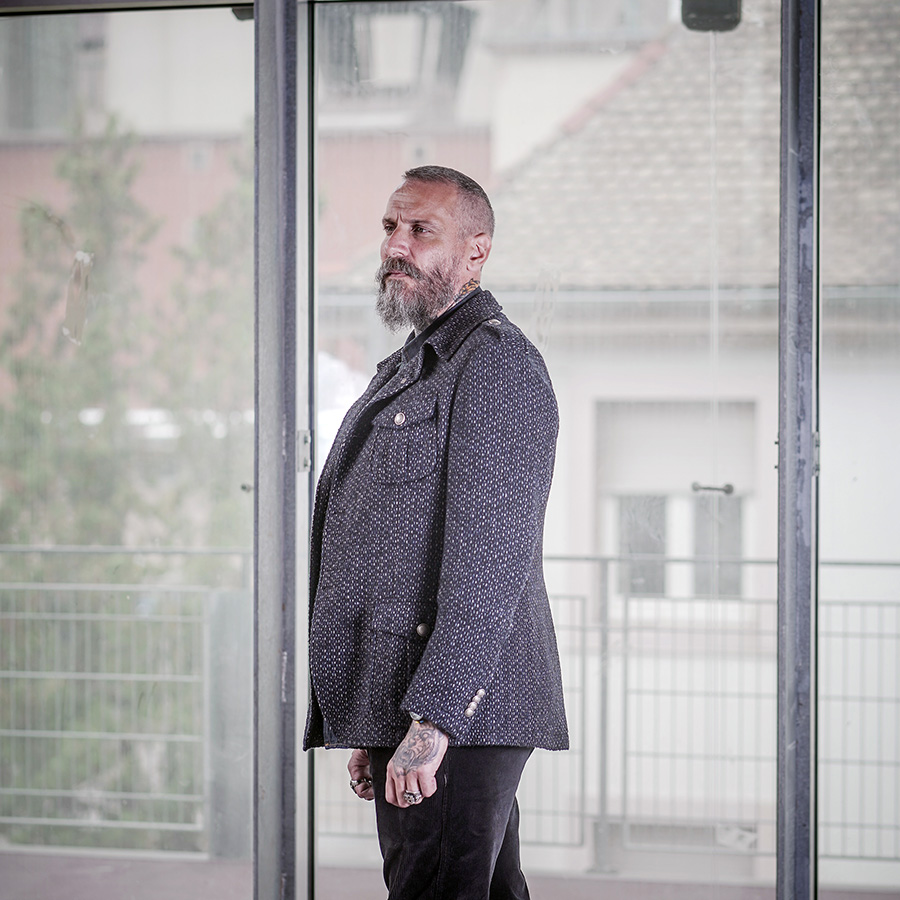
(405, 440)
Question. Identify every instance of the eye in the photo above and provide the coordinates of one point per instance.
(388, 227)
(420, 229)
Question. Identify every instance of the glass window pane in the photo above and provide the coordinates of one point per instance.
(126, 451)
(633, 166)
(718, 522)
(859, 573)
(642, 533)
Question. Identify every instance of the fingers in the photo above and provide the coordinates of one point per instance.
(403, 788)
(391, 794)
(411, 773)
(358, 766)
(427, 782)
(361, 775)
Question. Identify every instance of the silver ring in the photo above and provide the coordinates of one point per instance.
(355, 782)
(412, 796)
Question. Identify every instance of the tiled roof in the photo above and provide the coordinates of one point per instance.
(628, 195)
(860, 241)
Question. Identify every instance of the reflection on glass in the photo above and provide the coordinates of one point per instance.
(642, 532)
(859, 576)
(126, 437)
(718, 532)
(633, 166)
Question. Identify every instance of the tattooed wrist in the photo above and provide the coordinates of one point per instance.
(421, 745)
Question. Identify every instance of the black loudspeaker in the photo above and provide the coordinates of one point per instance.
(711, 15)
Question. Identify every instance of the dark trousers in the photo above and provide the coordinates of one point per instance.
(462, 843)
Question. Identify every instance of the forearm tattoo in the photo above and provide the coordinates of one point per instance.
(420, 746)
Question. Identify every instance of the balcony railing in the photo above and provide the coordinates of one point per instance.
(126, 720)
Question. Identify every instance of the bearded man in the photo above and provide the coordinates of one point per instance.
(432, 649)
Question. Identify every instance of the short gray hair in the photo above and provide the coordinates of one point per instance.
(476, 207)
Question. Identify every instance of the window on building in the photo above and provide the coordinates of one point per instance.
(642, 544)
(717, 545)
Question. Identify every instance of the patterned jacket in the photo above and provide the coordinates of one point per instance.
(426, 571)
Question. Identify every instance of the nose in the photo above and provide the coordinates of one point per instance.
(394, 246)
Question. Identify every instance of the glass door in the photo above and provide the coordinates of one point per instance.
(126, 453)
(633, 165)
(859, 575)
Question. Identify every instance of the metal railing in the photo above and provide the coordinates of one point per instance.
(678, 705)
(673, 716)
(125, 717)
(125, 711)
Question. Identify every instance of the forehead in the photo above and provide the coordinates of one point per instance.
(423, 200)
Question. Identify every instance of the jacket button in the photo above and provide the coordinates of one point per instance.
(470, 711)
(480, 692)
(422, 629)
(400, 418)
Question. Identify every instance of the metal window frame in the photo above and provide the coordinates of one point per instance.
(55, 7)
(275, 512)
(798, 345)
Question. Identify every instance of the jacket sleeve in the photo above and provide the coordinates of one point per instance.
(500, 451)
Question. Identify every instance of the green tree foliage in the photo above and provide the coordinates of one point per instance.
(139, 431)
(122, 423)
(65, 477)
(211, 348)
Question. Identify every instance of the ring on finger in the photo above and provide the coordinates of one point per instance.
(355, 782)
(412, 797)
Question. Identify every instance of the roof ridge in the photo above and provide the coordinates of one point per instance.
(649, 54)
(645, 59)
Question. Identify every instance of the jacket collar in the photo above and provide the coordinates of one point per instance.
(445, 340)
(391, 361)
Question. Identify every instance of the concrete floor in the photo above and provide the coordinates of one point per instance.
(39, 876)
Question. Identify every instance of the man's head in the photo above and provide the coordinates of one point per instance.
(438, 227)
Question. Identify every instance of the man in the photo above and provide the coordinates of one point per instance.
(432, 650)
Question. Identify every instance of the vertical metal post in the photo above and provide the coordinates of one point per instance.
(306, 339)
(275, 513)
(601, 847)
(797, 451)
(209, 602)
(626, 725)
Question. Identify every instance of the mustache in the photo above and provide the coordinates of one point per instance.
(389, 266)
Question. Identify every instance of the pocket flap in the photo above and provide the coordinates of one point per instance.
(402, 617)
(408, 409)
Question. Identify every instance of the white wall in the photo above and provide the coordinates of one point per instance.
(162, 85)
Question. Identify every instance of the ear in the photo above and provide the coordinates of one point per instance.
(479, 248)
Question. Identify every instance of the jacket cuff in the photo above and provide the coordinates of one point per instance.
(455, 723)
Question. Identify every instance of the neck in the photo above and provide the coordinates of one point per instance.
(467, 288)
(470, 285)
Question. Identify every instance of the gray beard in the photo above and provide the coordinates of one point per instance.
(403, 306)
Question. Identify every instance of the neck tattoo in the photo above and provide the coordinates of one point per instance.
(466, 288)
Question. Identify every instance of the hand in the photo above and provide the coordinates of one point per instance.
(359, 770)
(415, 763)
